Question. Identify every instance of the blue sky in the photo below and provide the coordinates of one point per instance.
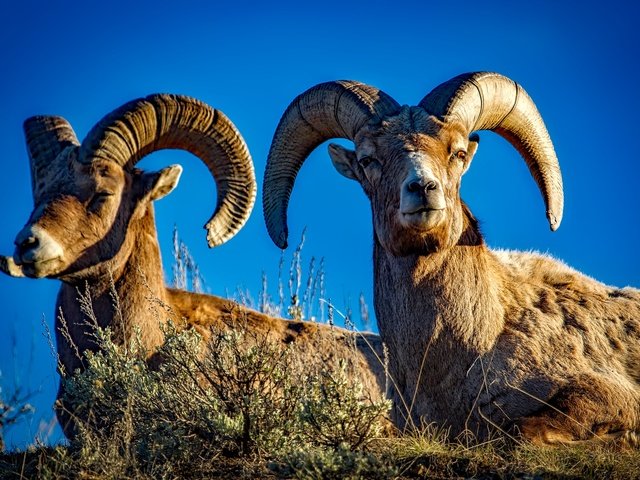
(83, 59)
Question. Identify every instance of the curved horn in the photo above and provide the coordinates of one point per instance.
(46, 137)
(490, 101)
(173, 121)
(328, 110)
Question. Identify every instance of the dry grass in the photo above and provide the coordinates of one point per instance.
(13, 409)
(428, 456)
(416, 456)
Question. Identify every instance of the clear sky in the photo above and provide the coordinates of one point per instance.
(580, 64)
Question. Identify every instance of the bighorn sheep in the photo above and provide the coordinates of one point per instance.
(479, 340)
(93, 225)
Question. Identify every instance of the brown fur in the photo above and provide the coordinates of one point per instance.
(481, 340)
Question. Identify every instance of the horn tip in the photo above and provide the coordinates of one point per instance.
(281, 240)
(212, 240)
(554, 221)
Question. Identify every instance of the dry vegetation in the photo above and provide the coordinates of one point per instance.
(13, 409)
(245, 407)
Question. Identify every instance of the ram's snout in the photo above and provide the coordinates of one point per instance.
(36, 252)
(422, 201)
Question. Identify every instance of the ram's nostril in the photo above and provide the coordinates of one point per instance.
(414, 186)
(29, 243)
(422, 186)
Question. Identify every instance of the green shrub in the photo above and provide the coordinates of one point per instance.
(239, 398)
(335, 414)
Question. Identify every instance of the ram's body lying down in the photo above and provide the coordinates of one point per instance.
(93, 228)
(478, 340)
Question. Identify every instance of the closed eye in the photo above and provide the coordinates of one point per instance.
(366, 161)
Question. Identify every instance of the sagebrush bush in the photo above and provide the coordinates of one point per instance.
(335, 414)
(236, 395)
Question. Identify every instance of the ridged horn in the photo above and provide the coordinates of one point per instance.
(46, 137)
(490, 101)
(163, 121)
(329, 110)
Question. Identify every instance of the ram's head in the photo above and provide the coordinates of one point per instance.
(88, 196)
(410, 160)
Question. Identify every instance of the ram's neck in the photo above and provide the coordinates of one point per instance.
(132, 293)
(437, 308)
(458, 288)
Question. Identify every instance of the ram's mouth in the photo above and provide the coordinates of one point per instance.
(39, 269)
(422, 210)
(422, 218)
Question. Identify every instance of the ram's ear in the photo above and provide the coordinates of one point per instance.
(474, 141)
(344, 161)
(160, 184)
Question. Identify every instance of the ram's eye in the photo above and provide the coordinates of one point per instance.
(460, 155)
(366, 161)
